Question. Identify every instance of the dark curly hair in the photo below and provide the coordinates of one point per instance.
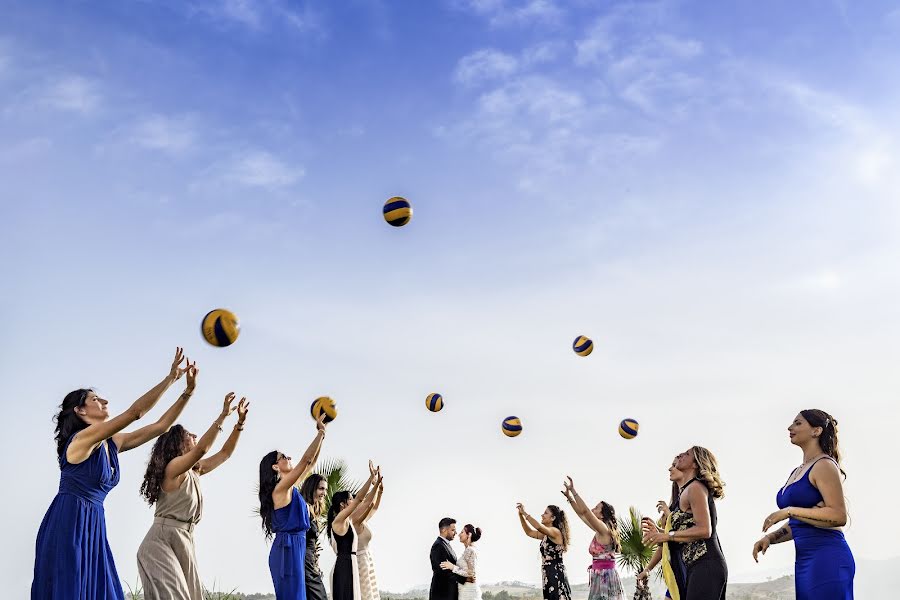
(336, 500)
(561, 523)
(167, 446)
(308, 491)
(268, 479)
(67, 421)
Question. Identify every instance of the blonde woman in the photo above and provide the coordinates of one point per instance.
(692, 541)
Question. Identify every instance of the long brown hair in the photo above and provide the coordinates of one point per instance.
(828, 440)
(608, 516)
(167, 446)
(561, 523)
(708, 471)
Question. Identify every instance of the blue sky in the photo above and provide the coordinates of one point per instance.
(708, 191)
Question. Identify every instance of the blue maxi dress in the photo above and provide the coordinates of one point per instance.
(72, 556)
(288, 553)
(824, 567)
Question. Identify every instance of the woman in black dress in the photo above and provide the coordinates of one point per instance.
(313, 491)
(697, 558)
(553, 531)
(344, 507)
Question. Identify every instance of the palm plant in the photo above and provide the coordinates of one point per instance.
(334, 470)
(635, 553)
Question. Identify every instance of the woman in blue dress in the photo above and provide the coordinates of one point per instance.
(812, 501)
(285, 514)
(72, 557)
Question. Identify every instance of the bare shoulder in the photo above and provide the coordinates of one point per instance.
(825, 470)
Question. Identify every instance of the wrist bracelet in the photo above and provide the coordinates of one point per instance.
(239, 427)
(218, 425)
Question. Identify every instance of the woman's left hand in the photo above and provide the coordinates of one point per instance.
(655, 537)
(242, 408)
(776, 517)
(447, 565)
(227, 408)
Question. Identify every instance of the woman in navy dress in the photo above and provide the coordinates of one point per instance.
(285, 514)
(812, 501)
(72, 555)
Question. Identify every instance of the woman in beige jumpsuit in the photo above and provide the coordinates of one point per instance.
(167, 563)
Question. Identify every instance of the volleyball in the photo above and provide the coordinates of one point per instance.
(582, 346)
(397, 211)
(434, 402)
(325, 405)
(220, 327)
(628, 429)
(512, 426)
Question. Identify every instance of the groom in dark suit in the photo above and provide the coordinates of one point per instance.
(444, 583)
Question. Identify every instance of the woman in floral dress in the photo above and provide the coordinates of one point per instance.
(553, 531)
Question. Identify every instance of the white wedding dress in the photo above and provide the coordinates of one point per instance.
(465, 566)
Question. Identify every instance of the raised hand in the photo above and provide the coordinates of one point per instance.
(227, 408)
(175, 372)
(520, 508)
(372, 470)
(242, 408)
(191, 369)
(320, 422)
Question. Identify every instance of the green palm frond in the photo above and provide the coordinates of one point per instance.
(635, 554)
(335, 472)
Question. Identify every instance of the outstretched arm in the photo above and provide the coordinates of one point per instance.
(93, 435)
(340, 523)
(358, 516)
(208, 464)
(374, 508)
(306, 462)
(128, 441)
(523, 521)
(180, 465)
(582, 510)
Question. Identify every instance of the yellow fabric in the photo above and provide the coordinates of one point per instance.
(668, 573)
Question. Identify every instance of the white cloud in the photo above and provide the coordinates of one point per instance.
(72, 93)
(485, 65)
(261, 169)
(173, 135)
(514, 12)
(259, 16)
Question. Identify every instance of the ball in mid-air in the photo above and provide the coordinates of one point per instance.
(220, 327)
(582, 346)
(397, 211)
(326, 405)
(628, 429)
(434, 402)
(511, 427)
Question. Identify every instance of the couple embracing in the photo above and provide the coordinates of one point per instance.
(452, 578)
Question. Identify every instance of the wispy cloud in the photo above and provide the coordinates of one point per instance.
(483, 65)
(72, 93)
(262, 169)
(173, 135)
(514, 12)
(259, 16)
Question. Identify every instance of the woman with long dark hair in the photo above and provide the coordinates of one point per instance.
(693, 543)
(73, 558)
(167, 562)
(553, 531)
(313, 490)
(286, 515)
(812, 500)
(344, 510)
(603, 579)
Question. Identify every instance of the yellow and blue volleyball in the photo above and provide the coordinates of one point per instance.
(582, 346)
(434, 402)
(397, 211)
(326, 405)
(628, 429)
(220, 327)
(511, 426)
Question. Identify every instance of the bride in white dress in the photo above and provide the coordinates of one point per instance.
(466, 565)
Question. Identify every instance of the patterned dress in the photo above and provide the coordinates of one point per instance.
(368, 585)
(604, 582)
(699, 565)
(465, 567)
(553, 572)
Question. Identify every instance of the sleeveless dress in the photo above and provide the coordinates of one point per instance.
(553, 572)
(288, 553)
(345, 575)
(315, 587)
(368, 584)
(699, 566)
(466, 566)
(166, 559)
(72, 555)
(603, 579)
(824, 567)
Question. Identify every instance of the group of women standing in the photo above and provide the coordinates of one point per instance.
(686, 538)
(73, 558)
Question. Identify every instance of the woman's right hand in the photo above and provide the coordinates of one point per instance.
(643, 576)
(760, 547)
(227, 408)
(320, 422)
(520, 508)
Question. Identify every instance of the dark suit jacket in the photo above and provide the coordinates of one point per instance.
(444, 584)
